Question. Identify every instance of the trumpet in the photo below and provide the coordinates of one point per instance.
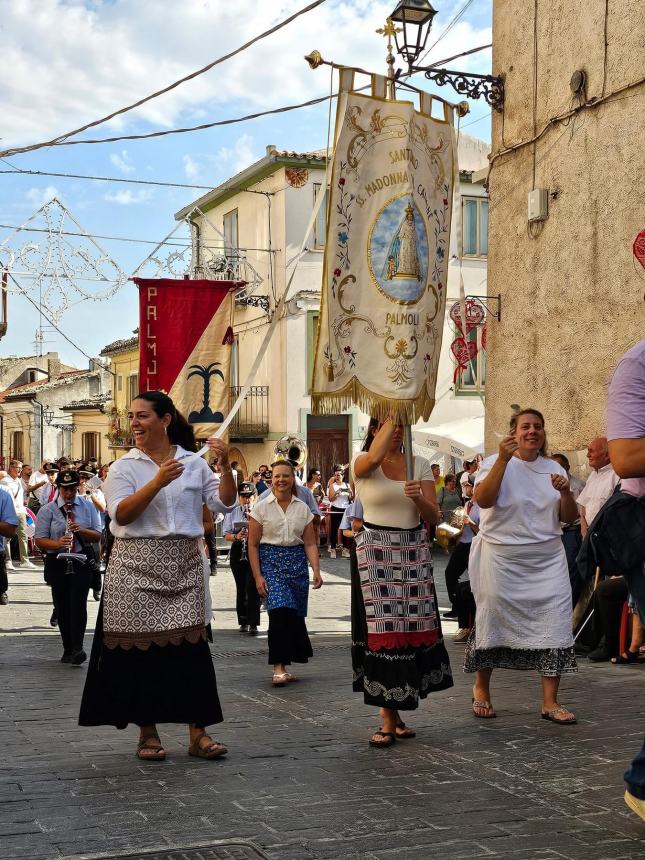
(293, 448)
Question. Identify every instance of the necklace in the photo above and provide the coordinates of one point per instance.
(157, 461)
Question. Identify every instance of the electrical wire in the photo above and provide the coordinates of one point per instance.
(106, 178)
(446, 30)
(62, 138)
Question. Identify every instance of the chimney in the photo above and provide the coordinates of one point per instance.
(54, 367)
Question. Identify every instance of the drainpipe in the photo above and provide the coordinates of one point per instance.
(42, 423)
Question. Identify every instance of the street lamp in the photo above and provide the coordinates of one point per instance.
(48, 414)
(416, 16)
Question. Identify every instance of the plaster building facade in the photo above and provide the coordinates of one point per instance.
(571, 289)
(123, 358)
(37, 422)
(260, 217)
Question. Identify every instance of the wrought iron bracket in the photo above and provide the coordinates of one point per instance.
(474, 86)
(71, 428)
(486, 301)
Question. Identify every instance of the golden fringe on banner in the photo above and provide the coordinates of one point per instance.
(374, 405)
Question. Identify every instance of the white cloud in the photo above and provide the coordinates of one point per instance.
(37, 197)
(238, 156)
(191, 167)
(110, 55)
(122, 161)
(128, 198)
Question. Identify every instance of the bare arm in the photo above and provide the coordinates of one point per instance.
(628, 457)
(311, 551)
(331, 492)
(424, 496)
(227, 486)
(584, 526)
(98, 503)
(369, 461)
(7, 530)
(487, 490)
(253, 552)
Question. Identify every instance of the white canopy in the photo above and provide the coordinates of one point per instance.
(463, 438)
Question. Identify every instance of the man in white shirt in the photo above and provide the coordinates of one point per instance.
(14, 487)
(600, 483)
(47, 491)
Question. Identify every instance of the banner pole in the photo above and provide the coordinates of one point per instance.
(407, 452)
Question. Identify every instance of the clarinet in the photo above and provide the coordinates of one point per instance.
(68, 531)
(245, 514)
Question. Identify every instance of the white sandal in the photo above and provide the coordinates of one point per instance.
(280, 679)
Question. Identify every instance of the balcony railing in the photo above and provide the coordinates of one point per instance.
(252, 419)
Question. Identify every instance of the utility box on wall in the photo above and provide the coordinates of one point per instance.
(538, 204)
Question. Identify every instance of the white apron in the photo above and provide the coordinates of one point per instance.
(522, 593)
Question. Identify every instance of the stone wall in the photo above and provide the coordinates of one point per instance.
(572, 296)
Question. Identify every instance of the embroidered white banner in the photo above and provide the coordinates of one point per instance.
(386, 256)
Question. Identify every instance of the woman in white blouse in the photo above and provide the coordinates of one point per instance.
(150, 659)
(281, 541)
(518, 568)
(398, 654)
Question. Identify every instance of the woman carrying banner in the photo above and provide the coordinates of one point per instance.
(518, 568)
(150, 660)
(281, 541)
(398, 653)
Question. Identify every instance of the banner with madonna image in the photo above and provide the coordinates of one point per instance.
(386, 256)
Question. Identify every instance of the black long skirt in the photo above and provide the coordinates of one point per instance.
(165, 684)
(395, 678)
(288, 637)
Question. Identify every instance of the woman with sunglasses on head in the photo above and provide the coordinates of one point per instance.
(398, 653)
(150, 659)
(281, 542)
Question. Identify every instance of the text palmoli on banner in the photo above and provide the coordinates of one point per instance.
(386, 256)
(185, 346)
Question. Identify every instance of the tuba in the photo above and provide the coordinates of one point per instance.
(291, 447)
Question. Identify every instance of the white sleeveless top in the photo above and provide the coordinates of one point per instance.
(383, 500)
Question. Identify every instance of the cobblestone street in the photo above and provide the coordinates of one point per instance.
(300, 780)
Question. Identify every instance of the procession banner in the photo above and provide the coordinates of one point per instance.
(386, 256)
(185, 337)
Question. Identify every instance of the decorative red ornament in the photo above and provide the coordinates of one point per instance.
(464, 352)
(639, 248)
(229, 337)
(475, 315)
(484, 332)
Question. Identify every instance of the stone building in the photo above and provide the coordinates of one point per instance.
(571, 289)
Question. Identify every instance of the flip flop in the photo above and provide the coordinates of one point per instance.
(484, 706)
(390, 739)
(280, 679)
(551, 716)
(405, 733)
(632, 657)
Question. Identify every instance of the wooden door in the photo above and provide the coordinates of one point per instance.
(325, 447)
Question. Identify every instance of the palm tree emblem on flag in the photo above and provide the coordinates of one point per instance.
(205, 414)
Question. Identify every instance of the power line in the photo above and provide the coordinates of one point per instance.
(62, 138)
(107, 178)
(175, 130)
(447, 29)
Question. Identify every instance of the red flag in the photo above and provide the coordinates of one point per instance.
(182, 345)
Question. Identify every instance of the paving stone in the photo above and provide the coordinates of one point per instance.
(301, 781)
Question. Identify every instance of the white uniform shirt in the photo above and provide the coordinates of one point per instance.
(527, 509)
(176, 510)
(43, 493)
(599, 487)
(17, 492)
(282, 528)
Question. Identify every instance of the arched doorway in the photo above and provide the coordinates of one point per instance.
(236, 454)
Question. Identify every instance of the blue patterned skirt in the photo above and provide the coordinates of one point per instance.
(287, 576)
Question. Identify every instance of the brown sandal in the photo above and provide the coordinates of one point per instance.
(212, 750)
(403, 732)
(157, 752)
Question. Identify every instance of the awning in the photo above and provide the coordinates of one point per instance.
(463, 438)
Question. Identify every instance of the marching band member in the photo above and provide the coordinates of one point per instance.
(71, 523)
(236, 530)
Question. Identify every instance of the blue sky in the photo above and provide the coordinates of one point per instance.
(66, 63)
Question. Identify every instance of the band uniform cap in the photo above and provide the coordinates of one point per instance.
(68, 478)
(50, 467)
(247, 488)
(87, 470)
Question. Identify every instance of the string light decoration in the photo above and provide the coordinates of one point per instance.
(57, 271)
